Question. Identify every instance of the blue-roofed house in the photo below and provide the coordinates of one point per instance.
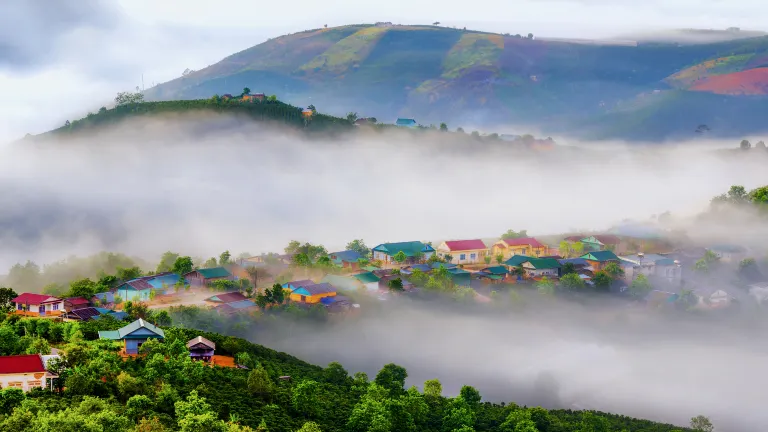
(406, 122)
(166, 282)
(133, 335)
(346, 259)
(336, 304)
(426, 268)
(369, 280)
(242, 304)
(137, 289)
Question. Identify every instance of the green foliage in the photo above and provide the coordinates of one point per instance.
(545, 286)
(433, 388)
(182, 265)
(602, 280)
(614, 270)
(514, 234)
(572, 282)
(83, 288)
(400, 257)
(6, 295)
(392, 378)
(166, 262)
(640, 286)
(259, 382)
(702, 424)
(395, 285)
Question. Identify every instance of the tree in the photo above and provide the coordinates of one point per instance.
(443, 127)
(182, 265)
(259, 382)
(246, 91)
(127, 98)
(66, 123)
(358, 245)
(126, 274)
(568, 268)
(166, 262)
(301, 260)
(614, 270)
(392, 378)
(640, 287)
(530, 36)
(702, 424)
(578, 249)
(395, 285)
(224, 258)
(470, 395)
(565, 248)
(572, 282)
(459, 130)
(293, 247)
(545, 286)
(760, 145)
(210, 263)
(487, 259)
(162, 318)
(351, 117)
(85, 288)
(514, 234)
(335, 374)
(433, 389)
(602, 281)
(499, 259)
(310, 426)
(6, 297)
(419, 278)
(305, 397)
(745, 145)
(278, 294)
(400, 257)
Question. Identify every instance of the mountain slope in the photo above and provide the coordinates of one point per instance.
(441, 74)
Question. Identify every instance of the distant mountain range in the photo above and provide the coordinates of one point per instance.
(635, 90)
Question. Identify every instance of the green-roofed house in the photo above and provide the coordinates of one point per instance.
(369, 280)
(202, 277)
(541, 267)
(460, 276)
(516, 260)
(599, 259)
(133, 335)
(413, 251)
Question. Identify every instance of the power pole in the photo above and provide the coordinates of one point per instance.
(142, 83)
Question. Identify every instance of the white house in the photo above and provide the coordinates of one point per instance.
(24, 372)
(464, 251)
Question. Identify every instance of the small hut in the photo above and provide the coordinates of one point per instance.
(201, 348)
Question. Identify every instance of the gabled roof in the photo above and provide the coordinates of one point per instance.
(107, 296)
(77, 300)
(298, 284)
(138, 284)
(405, 122)
(242, 304)
(316, 289)
(522, 241)
(21, 364)
(130, 328)
(344, 256)
(84, 314)
(169, 279)
(600, 256)
(543, 263)
(36, 299)
(227, 297)
(214, 273)
(366, 277)
(201, 340)
(408, 248)
(516, 260)
(465, 245)
(495, 270)
(607, 239)
(574, 261)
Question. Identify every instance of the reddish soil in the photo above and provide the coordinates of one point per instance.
(223, 361)
(749, 82)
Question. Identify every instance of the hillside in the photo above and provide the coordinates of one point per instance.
(164, 390)
(460, 76)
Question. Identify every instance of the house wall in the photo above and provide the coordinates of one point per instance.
(531, 272)
(132, 345)
(525, 250)
(468, 259)
(24, 381)
(133, 294)
(48, 309)
(312, 299)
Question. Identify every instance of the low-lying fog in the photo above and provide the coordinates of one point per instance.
(147, 187)
(563, 356)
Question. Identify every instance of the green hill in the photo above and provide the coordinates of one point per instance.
(164, 390)
(460, 76)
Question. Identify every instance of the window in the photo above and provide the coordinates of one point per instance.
(19, 306)
(472, 256)
(463, 257)
(524, 250)
(55, 306)
(15, 384)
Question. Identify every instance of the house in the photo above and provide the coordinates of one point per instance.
(541, 267)
(460, 276)
(75, 303)
(406, 122)
(135, 290)
(311, 294)
(346, 259)
(437, 265)
(203, 277)
(493, 274)
(713, 297)
(226, 96)
(599, 259)
(38, 305)
(166, 282)
(24, 372)
(408, 270)
(527, 246)
(201, 348)
(133, 335)
(516, 260)
(651, 265)
(85, 314)
(255, 97)
(336, 304)
(106, 299)
(600, 242)
(369, 280)
(729, 253)
(294, 285)
(384, 283)
(229, 297)
(463, 251)
(414, 251)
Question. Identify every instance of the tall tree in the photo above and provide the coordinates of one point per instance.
(85, 288)
(224, 258)
(182, 265)
(702, 424)
(293, 247)
(572, 282)
(745, 145)
(246, 91)
(358, 245)
(395, 285)
(166, 262)
(392, 377)
(602, 280)
(6, 297)
(514, 234)
(400, 257)
(614, 270)
(640, 287)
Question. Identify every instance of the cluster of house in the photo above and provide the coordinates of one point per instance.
(30, 371)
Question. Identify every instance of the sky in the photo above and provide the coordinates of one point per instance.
(59, 60)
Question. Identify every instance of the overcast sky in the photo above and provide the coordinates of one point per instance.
(60, 59)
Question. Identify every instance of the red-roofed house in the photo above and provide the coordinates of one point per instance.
(23, 372)
(526, 246)
(73, 303)
(41, 305)
(463, 251)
